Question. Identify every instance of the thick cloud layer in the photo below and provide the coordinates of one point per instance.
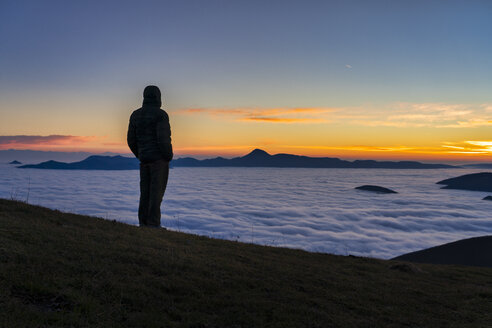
(312, 209)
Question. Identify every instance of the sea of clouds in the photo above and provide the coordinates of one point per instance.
(313, 209)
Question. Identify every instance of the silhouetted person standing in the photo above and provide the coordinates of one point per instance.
(149, 138)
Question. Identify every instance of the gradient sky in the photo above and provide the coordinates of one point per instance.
(352, 79)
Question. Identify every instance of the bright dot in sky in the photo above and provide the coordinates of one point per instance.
(348, 66)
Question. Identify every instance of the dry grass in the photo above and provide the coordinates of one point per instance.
(64, 270)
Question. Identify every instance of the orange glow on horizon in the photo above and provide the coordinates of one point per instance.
(352, 153)
(468, 150)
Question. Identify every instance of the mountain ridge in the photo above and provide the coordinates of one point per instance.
(260, 158)
(471, 251)
(475, 182)
(94, 162)
(256, 158)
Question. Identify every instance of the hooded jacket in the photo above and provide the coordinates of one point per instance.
(149, 132)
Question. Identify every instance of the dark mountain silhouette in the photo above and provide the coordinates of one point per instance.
(479, 166)
(474, 251)
(260, 158)
(15, 162)
(377, 189)
(37, 156)
(257, 158)
(487, 198)
(476, 182)
(91, 163)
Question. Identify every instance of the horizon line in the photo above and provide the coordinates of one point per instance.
(359, 156)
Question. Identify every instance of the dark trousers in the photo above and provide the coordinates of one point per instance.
(153, 182)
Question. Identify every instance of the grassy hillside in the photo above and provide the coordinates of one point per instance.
(60, 269)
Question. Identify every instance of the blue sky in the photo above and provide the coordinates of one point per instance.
(231, 54)
(243, 52)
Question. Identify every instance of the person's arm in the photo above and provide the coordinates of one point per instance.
(131, 138)
(164, 137)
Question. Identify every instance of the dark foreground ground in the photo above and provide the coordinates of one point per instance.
(65, 270)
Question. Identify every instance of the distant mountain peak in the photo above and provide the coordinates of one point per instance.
(260, 158)
(258, 153)
(94, 162)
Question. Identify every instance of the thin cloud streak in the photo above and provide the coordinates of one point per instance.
(470, 147)
(282, 120)
(488, 144)
(465, 147)
(355, 148)
(410, 115)
(267, 115)
(35, 141)
(435, 115)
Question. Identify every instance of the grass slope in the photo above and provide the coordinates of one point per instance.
(67, 270)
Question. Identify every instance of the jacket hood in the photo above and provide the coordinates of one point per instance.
(152, 96)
